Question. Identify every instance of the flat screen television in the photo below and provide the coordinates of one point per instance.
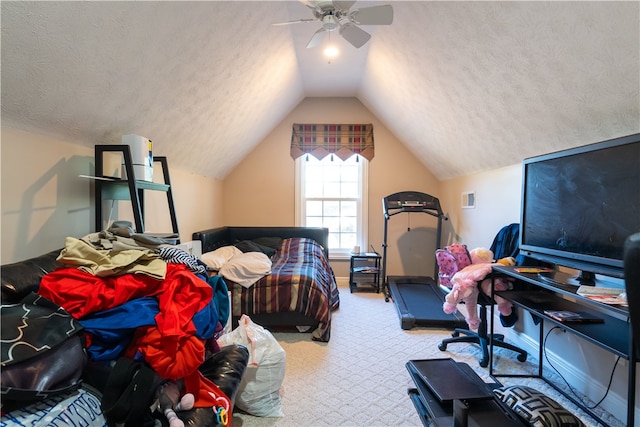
(579, 206)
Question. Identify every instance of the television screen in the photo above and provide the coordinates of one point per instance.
(580, 205)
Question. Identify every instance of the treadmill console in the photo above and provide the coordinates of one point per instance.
(411, 201)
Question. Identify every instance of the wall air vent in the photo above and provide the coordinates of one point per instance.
(469, 200)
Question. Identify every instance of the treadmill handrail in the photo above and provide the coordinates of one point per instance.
(436, 213)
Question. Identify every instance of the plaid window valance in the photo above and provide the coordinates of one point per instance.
(343, 140)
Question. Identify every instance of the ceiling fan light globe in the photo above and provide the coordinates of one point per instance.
(330, 23)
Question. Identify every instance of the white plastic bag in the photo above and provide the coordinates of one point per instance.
(259, 391)
(228, 322)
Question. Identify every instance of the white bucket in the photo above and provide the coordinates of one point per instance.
(141, 157)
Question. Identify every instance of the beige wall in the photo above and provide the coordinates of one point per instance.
(260, 191)
(196, 198)
(497, 204)
(43, 200)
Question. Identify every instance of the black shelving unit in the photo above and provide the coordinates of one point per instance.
(364, 269)
(129, 188)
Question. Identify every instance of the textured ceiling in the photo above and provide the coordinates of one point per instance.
(467, 86)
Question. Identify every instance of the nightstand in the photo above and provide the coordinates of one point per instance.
(364, 270)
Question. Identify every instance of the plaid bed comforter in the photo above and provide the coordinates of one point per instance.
(301, 280)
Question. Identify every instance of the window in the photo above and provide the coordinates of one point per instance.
(332, 193)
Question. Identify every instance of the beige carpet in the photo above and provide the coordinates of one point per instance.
(359, 377)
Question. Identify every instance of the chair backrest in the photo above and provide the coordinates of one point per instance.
(506, 243)
(632, 284)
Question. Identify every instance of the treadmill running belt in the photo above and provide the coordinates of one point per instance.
(418, 300)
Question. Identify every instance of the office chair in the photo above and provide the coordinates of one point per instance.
(505, 244)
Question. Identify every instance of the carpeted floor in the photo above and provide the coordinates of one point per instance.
(359, 377)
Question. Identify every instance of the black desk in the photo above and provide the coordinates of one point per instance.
(614, 335)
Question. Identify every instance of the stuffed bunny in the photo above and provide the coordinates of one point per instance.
(467, 283)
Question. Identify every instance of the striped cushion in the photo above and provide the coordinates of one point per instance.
(536, 408)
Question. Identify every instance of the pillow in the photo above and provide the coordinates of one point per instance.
(251, 246)
(536, 408)
(271, 242)
(216, 259)
(246, 268)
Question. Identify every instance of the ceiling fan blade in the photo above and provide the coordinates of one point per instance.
(297, 21)
(354, 34)
(308, 3)
(316, 39)
(374, 15)
(343, 5)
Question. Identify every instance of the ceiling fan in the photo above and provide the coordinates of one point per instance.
(338, 15)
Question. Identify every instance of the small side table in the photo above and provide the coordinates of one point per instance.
(364, 270)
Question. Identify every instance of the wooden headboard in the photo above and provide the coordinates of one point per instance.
(214, 238)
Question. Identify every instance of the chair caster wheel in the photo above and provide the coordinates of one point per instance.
(442, 347)
(483, 363)
(522, 357)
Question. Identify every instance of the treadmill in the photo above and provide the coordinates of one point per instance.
(418, 299)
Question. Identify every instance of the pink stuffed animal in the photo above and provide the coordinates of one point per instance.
(465, 286)
(170, 402)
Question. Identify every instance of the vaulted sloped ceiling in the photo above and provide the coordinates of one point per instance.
(467, 86)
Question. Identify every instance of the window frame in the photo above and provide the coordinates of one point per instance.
(362, 206)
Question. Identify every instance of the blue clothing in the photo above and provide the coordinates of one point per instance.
(111, 330)
(221, 297)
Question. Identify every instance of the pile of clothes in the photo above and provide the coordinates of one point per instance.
(139, 297)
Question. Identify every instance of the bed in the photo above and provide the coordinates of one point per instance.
(301, 290)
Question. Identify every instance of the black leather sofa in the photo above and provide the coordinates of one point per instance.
(225, 369)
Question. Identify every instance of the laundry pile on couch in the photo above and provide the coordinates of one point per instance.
(133, 308)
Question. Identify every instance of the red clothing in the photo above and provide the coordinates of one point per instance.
(82, 293)
(179, 363)
(180, 295)
(170, 347)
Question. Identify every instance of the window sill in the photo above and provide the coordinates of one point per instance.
(341, 256)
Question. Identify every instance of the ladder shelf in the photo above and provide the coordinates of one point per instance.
(129, 188)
